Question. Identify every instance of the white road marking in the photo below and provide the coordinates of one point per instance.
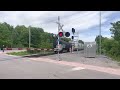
(73, 69)
(77, 68)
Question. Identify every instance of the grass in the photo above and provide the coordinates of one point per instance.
(116, 58)
(23, 53)
(19, 53)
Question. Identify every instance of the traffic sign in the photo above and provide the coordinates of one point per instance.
(89, 45)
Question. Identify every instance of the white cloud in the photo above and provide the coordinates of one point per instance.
(106, 28)
(80, 20)
(88, 38)
(108, 36)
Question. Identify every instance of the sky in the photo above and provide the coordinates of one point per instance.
(86, 23)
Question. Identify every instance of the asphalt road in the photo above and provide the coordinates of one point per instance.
(13, 67)
(87, 74)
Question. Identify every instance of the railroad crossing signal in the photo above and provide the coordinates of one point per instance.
(60, 34)
(72, 37)
(73, 30)
(67, 34)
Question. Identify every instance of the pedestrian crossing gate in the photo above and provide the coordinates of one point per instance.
(90, 49)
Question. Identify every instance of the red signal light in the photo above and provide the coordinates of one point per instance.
(60, 34)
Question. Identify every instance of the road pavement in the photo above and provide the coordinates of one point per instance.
(14, 67)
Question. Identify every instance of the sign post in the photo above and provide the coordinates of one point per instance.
(60, 34)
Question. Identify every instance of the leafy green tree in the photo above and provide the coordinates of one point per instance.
(80, 41)
(20, 36)
(66, 39)
(5, 34)
(115, 29)
(36, 36)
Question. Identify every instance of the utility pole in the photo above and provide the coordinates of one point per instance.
(100, 33)
(29, 37)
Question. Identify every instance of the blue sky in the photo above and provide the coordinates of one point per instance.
(85, 22)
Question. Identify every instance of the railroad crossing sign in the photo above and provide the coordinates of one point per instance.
(89, 45)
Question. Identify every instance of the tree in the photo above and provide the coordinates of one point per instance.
(80, 41)
(36, 36)
(97, 39)
(20, 36)
(111, 46)
(115, 29)
(5, 34)
(66, 39)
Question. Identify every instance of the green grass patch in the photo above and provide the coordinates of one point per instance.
(23, 53)
(19, 53)
(116, 58)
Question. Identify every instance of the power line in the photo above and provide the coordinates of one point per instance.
(51, 21)
(75, 18)
(68, 23)
(74, 21)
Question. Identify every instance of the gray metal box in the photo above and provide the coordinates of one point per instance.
(90, 49)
